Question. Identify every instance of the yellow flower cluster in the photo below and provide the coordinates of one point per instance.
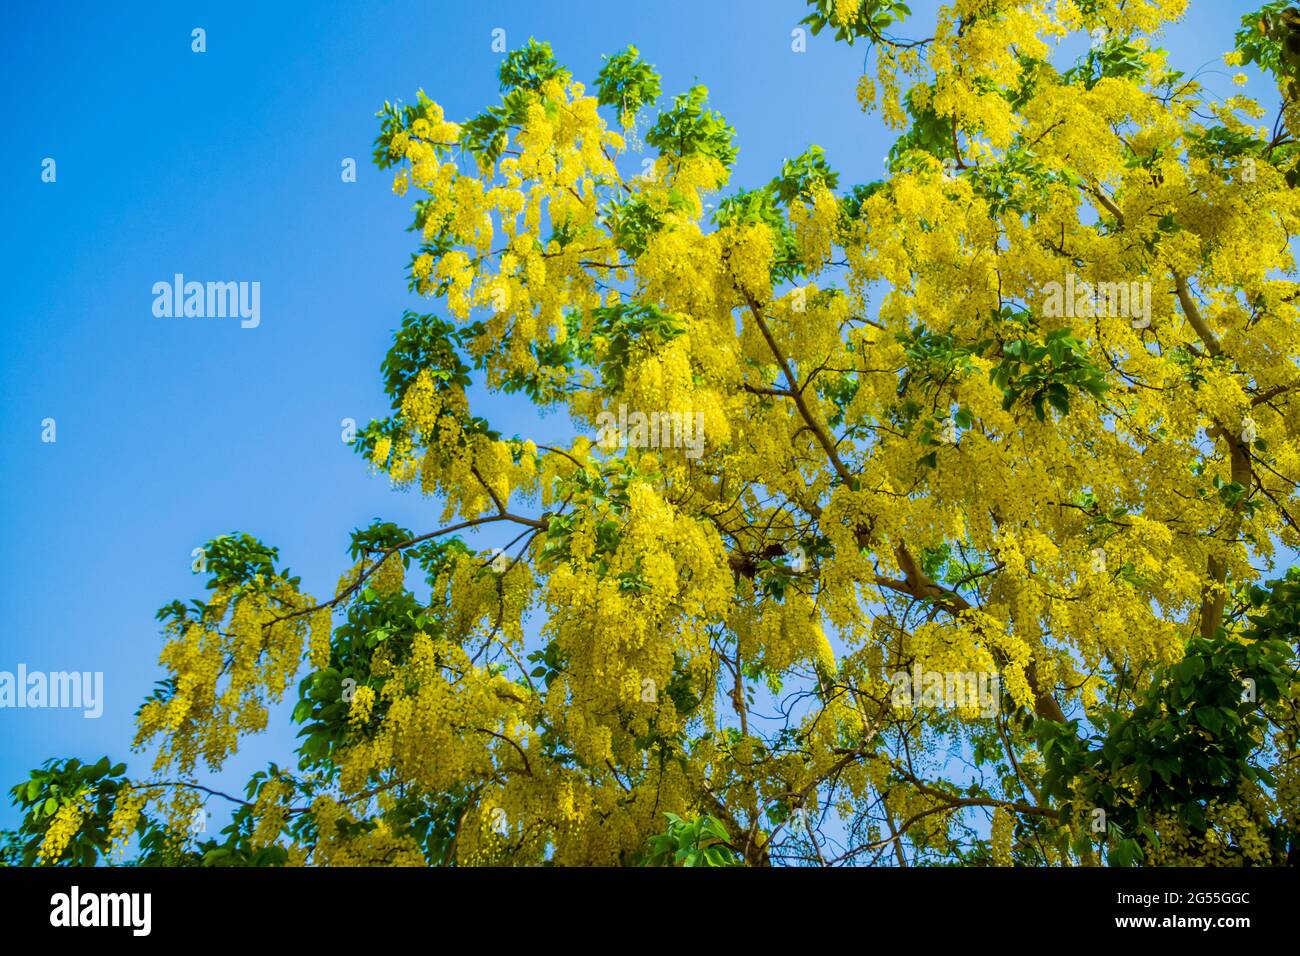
(815, 224)
(1233, 837)
(362, 705)
(243, 653)
(271, 811)
(64, 826)
(127, 806)
(1001, 834)
(390, 576)
(339, 844)
(318, 641)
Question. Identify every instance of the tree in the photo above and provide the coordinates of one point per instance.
(927, 520)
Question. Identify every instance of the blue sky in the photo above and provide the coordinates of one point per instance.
(225, 166)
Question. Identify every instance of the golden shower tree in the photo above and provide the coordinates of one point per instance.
(1026, 409)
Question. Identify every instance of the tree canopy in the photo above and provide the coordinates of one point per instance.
(1024, 412)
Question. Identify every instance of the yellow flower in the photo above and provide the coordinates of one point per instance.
(363, 702)
(62, 828)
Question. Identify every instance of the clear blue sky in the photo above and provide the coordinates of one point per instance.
(225, 166)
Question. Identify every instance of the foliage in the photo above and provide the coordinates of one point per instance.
(699, 842)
